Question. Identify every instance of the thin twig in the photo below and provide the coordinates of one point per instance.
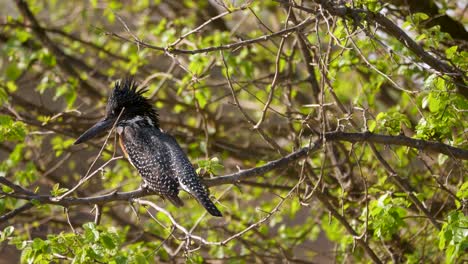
(235, 45)
(275, 77)
(87, 175)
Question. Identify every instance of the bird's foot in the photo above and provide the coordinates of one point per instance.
(144, 187)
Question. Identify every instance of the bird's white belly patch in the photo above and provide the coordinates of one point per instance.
(184, 187)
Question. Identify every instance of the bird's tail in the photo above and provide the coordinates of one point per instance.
(197, 189)
(205, 201)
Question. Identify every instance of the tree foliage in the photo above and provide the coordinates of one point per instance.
(327, 131)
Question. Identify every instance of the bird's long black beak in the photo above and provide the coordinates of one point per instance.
(95, 130)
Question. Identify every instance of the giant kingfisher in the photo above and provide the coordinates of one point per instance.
(156, 155)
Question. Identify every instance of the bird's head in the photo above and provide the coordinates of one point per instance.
(125, 104)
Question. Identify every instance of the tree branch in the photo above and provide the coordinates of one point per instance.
(64, 59)
(392, 29)
(235, 45)
(429, 7)
(238, 177)
(308, 60)
(15, 212)
(400, 140)
(272, 165)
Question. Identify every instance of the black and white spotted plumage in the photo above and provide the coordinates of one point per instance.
(162, 164)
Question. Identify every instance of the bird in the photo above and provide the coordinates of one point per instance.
(159, 159)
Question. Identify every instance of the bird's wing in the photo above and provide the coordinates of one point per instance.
(152, 159)
(180, 164)
(188, 178)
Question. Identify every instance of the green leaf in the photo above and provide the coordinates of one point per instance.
(57, 191)
(11, 86)
(391, 121)
(419, 17)
(201, 97)
(211, 166)
(91, 233)
(11, 130)
(22, 35)
(450, 52)
(3, 95)
(59, 145)
(141, 259)
(8, 231)
(12, 71)
(198, 62)
(47, 58)
(434, 103)
(121, 260)
(108, 242)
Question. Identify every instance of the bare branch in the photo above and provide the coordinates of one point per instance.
(249, 173)
(400, 140)
(15, 212)
(230, 46)
(63, 58)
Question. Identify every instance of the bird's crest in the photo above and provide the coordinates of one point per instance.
(126, 94)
